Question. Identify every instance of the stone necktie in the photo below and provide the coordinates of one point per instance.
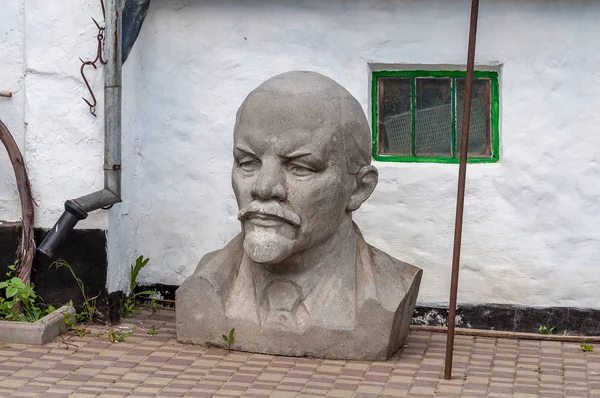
(283, 298)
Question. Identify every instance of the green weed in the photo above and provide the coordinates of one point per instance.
(72, 326)
(229, 340)
(117, 335)
(586, 347)
(18, 302)
(129, 306)
(546, 330)
(88, 311)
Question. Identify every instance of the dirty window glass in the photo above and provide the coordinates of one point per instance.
(419, 117)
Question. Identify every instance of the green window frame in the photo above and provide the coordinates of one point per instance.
(455, 152)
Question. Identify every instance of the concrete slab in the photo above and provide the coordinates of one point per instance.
(39, 332)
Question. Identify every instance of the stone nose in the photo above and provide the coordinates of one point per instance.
(270, 183)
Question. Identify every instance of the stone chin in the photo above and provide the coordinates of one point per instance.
(265, 247)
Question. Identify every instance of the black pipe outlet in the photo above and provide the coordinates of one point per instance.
(63, 227)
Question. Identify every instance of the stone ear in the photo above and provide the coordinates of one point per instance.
(366, 180)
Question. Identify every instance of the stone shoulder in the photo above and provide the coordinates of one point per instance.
(387, 262)
(393, 278)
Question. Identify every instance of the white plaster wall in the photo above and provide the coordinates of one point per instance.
(40, 45)
(12, 79)
(530, 234)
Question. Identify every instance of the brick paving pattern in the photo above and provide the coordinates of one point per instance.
(147, 365)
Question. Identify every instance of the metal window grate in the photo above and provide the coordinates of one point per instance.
(434, 129)
(398, 127)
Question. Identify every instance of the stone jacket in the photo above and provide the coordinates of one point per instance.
(362, 310)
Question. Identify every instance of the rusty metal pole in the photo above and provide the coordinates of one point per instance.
(460, 199)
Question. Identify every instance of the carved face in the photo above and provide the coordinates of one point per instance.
(289, 176)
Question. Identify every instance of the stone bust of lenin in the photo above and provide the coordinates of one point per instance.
(300, 279)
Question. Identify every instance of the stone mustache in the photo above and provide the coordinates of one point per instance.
(300, 279)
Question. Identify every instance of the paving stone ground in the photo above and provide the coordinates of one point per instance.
(147, 365)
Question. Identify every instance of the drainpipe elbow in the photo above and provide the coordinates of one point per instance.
(72, 215)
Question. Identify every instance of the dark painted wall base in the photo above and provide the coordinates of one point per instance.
(514, 318)
(489, 316)
(85, 250)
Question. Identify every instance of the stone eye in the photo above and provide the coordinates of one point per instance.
(250, 165)
(300, 171)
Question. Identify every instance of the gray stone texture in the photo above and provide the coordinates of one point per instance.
(300, 279)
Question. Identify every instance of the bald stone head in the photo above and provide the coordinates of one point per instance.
(302, 150)
(305, 98)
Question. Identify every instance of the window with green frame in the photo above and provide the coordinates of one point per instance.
(417, 116)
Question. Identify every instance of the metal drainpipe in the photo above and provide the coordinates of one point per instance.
(78, 209)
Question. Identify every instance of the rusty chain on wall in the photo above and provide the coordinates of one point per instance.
(99, 58)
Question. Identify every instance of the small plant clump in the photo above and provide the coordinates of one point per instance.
(117, 335)
(129, 307)
(72, 326)
(88, 311)
(7, 346)
(586, 347)
(546, 330)
(18, 301)
(153, 305)
(229, 340)
(152, 331)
